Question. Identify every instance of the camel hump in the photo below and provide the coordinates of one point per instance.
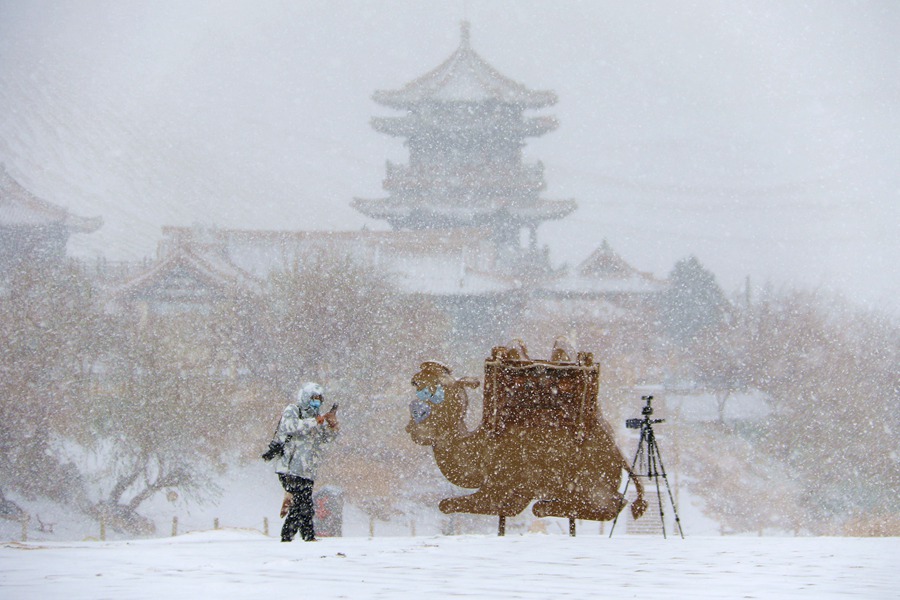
(516, 350)
(562, 350)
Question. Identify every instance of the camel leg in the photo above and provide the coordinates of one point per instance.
(582, 506)
(479, 503)
(488, 501)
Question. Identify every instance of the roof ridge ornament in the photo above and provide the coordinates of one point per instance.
(464, 33)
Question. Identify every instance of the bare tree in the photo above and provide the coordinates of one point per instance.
(48, 350)
(164, 415)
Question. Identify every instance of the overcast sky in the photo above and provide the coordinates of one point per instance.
(762, 137)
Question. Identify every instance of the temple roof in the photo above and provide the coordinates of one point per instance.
(21, 208)
(210, 270)
(408, 214)
(440, 263)
(604, 272)
(409, 125)
(606, 262)
(464, 77)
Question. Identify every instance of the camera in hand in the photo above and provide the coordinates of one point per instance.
(275, 450)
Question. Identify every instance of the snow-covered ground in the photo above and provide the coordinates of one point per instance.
(243, 564)
(408, 558)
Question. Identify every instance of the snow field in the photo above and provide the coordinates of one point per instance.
(244, 564)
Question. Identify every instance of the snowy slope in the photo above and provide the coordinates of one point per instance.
(244, 564)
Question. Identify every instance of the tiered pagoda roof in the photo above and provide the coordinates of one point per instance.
(464, 77)
(465, 131)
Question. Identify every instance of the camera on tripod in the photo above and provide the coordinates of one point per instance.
(648, 462)
(647, 410)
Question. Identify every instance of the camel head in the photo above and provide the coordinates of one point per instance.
(440, 404)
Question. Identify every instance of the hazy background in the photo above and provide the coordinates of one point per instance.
(762, 137)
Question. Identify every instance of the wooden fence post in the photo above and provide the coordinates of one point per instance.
(174, 526)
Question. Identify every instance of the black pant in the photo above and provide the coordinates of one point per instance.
(300, 514)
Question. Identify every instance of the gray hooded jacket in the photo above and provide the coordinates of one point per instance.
(302, 435)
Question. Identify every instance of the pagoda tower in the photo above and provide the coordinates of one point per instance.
(465, 129)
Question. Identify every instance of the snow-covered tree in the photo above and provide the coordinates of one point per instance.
(162, 417)
(832, 374)
(694, 302)
(49, 346)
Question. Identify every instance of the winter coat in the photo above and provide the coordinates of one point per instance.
(303, 439)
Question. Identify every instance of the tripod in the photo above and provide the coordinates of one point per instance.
(648, 457)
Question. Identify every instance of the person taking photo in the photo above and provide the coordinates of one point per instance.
(304, 433)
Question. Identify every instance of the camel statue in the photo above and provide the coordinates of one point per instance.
(540, 438)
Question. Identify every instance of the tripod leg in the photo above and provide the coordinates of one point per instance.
(669, 490)
(637, 455)
(653, 473)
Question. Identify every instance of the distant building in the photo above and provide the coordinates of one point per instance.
(32, 229)
(464, 214)
(465, 129)
(601, 289)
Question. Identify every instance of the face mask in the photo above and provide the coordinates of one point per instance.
(420, 408)
(425, 395)
(315, 404)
